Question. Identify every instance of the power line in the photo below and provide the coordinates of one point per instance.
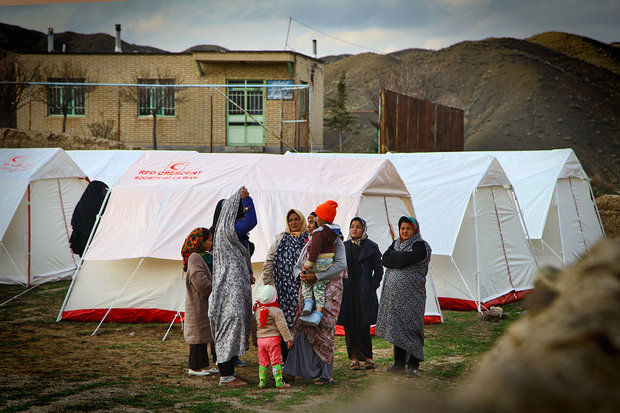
(328, 35)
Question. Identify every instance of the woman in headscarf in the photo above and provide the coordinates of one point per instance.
(359, 297)
(403, 299)
(278, 267)
(197, 265)
(230, 305)
(312, 354)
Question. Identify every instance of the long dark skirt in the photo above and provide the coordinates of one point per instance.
(359, 342)
(303, 362)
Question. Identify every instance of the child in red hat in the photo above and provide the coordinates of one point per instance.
(320, 257)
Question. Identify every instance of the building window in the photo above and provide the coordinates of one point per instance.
(244, 98)
(66, 100)
(160, 101)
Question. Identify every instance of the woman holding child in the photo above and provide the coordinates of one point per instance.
(312, 354)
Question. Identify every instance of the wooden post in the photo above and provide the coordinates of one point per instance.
(307, 116)
(382, 125)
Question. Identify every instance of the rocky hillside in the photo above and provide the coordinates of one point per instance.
(551, 91)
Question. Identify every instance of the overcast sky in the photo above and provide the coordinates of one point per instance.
(340, 26)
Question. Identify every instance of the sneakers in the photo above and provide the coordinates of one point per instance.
(412, 371)
(234, 383)
(313, 319)
(239, 363)
(308, 304)
(396, 369)
(214, 370)
(191, 372)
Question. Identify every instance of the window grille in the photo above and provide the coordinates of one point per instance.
(69, 100)
(156, 100)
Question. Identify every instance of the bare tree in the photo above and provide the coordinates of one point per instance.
(67, 99)
(154, 98)
(15, 92)
(421, 81)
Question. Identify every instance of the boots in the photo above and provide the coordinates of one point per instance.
(262, 376)
(308, 304)
(313, 319)
(277, 375)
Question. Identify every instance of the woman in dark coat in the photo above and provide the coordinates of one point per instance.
(359, 297)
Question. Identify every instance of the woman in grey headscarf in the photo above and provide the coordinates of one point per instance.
(403, 299)
(230, 304)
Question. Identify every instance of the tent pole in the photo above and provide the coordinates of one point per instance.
(462, 279)
(178, 314)
(477, 250)
(529, 240)
(430, 276)
(598, 215)
(117, 296)
(11, 258)
(583, 238)
(501, 236)
(90, 237)
(64, 217)
(557, 206)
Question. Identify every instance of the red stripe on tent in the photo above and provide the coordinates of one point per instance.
(122, 315)
(447, 303)
(29, 236)
(428, 319)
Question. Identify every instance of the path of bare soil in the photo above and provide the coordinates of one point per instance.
(49, 366)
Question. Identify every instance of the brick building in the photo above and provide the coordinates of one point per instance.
(245, 113)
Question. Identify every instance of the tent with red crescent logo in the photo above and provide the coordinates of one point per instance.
(40, 188)
(131, 271)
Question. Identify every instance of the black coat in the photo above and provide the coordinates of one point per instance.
(359, 296)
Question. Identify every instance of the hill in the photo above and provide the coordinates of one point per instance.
(516, 94)
(19, 40)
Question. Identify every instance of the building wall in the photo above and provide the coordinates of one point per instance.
(196, 125)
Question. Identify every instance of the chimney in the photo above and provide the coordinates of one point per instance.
(50, 40)
(117, 47)
(314, 47)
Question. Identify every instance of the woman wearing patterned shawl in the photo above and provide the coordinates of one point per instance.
(403, 299)
(230, 305)
(359, 296)
(312, 353)
(278, 267)
(197, 264)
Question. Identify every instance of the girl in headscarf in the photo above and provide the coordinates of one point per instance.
(230, 305)
(359, 297)
(278, 267)
(197, 264)
(403, 299)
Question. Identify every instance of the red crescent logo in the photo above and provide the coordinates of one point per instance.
(178, 166)
(15, 159)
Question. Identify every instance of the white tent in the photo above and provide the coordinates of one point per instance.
(557, 201)
(467, 213)
(133, 265)
(40, 188)
(106, 165)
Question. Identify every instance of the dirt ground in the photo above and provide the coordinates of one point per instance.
(49, 366)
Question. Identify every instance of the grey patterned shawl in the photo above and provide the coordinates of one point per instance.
(230, 304)
(403, 300)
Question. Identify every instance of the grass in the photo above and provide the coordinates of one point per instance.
(60, 367)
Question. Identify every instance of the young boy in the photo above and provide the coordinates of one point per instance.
(320, 258)
(270, 327)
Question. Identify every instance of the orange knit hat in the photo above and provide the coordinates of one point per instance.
(327, 211)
